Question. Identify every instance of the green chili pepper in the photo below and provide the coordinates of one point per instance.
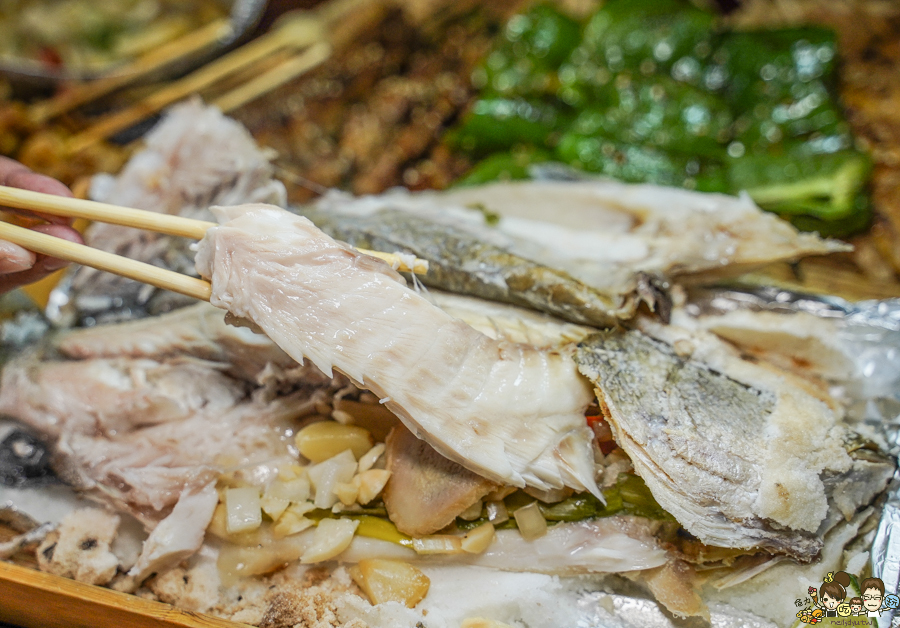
(648, 36)
(532, 46)
(653, 92)
(662, 113)
(502, 123)
(826, 187)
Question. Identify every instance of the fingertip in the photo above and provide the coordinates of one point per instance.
(15, 259)
(60, 231)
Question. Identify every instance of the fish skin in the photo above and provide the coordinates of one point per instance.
(526, 242)
(696, 437)
(459, 262)
(509, 412)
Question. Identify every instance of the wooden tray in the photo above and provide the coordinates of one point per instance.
(34, 599)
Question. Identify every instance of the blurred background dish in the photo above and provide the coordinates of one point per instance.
(46, 41)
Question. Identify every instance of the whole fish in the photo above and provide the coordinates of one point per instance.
(743, 456)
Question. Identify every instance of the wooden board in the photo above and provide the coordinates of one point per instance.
(33, 599)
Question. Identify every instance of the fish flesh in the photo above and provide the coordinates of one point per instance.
(197, 331)
(741, 454)
(509, 412)
(589, 252)
(137, 432)
(195, 157)
(139, 412)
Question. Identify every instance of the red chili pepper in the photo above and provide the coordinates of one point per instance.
(602, 433)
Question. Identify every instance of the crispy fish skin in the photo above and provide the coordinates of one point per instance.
(706, 443)
(460, 262)
(510, 412)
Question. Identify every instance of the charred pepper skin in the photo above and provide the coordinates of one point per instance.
(653, 91)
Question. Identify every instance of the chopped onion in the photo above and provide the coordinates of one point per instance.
(292, 520)
(291, 472)
(332, 537)
(368, 459)
(478, 539)
(347, 492)
(497, 512)
(242, 509)
(472, 512)
(371, 483)
(280, 493)
(273, 506)
(386, 580)
(531, 522)
(438, 544)
(326, 475)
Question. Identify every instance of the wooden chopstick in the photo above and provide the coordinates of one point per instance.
(101, 260)
(277, 76)
(142, 219)
(103, 212)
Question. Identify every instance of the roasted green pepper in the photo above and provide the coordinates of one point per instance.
(502, 123)
(531, 47)
(654, 92)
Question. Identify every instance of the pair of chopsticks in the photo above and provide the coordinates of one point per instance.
(128, 217)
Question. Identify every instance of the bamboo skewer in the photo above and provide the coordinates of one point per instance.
(301, 31)
(277, 76)
(191, 43)
(128, 217)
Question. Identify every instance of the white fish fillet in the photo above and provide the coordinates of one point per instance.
(179, 535)
(509, 412)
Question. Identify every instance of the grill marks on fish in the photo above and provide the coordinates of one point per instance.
(700, 439)
(509, 412)
(459, 262)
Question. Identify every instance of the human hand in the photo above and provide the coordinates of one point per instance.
(19, 266)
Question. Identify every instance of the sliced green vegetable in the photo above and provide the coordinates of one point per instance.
(826, 187)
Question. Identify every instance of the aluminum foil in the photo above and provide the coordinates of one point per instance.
(869, 332)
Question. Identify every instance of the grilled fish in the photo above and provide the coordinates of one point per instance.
(742, 455)
(510, 412)
(589, 252)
